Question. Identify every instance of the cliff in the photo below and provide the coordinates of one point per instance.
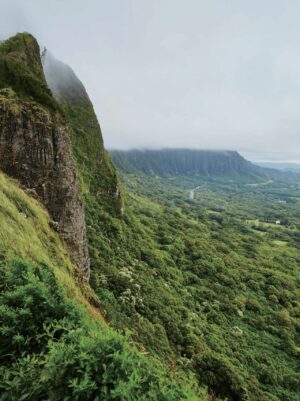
(35, 143)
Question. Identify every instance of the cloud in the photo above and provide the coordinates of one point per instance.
(166, 73)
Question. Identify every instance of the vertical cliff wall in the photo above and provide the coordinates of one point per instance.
(35, 143)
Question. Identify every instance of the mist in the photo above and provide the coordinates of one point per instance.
(194, 74)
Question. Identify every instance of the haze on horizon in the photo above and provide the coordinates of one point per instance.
(193, 74)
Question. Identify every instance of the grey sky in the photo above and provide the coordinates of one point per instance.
(215, 74)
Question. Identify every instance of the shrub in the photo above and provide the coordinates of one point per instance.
(221, 377)
(50, 350)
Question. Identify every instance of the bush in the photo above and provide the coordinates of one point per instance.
(50, 350)
(32, 309)
(220, 376)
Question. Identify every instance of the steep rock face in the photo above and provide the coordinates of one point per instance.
(35, 145)
(98, 174)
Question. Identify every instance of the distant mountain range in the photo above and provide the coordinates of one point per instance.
(187, 162)
(293, 167)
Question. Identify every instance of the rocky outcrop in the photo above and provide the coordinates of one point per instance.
(35, 148)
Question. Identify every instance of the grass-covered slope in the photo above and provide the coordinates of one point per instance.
(53, 344)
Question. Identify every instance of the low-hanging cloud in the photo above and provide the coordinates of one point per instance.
(217, 75)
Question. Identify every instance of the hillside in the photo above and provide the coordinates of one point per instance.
(185, 162)
(54, 344)
(214, 280)
(54, 341)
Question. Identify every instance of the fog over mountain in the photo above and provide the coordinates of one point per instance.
(197, 74)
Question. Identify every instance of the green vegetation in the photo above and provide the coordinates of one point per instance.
(53, 344)
(199, 287)
(21, 70)
(204, 288)
(195, 282)
(98, 174)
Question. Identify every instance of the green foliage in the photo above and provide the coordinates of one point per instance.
(208, 293)
(221, 377)
(31, 303)
(21, 70)
(53, 345)
(98, 175)
(48, 350)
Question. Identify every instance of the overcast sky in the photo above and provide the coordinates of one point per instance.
(217, 74)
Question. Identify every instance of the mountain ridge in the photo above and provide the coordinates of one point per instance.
(186, 162)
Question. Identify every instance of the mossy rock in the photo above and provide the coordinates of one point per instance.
(21, 69)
